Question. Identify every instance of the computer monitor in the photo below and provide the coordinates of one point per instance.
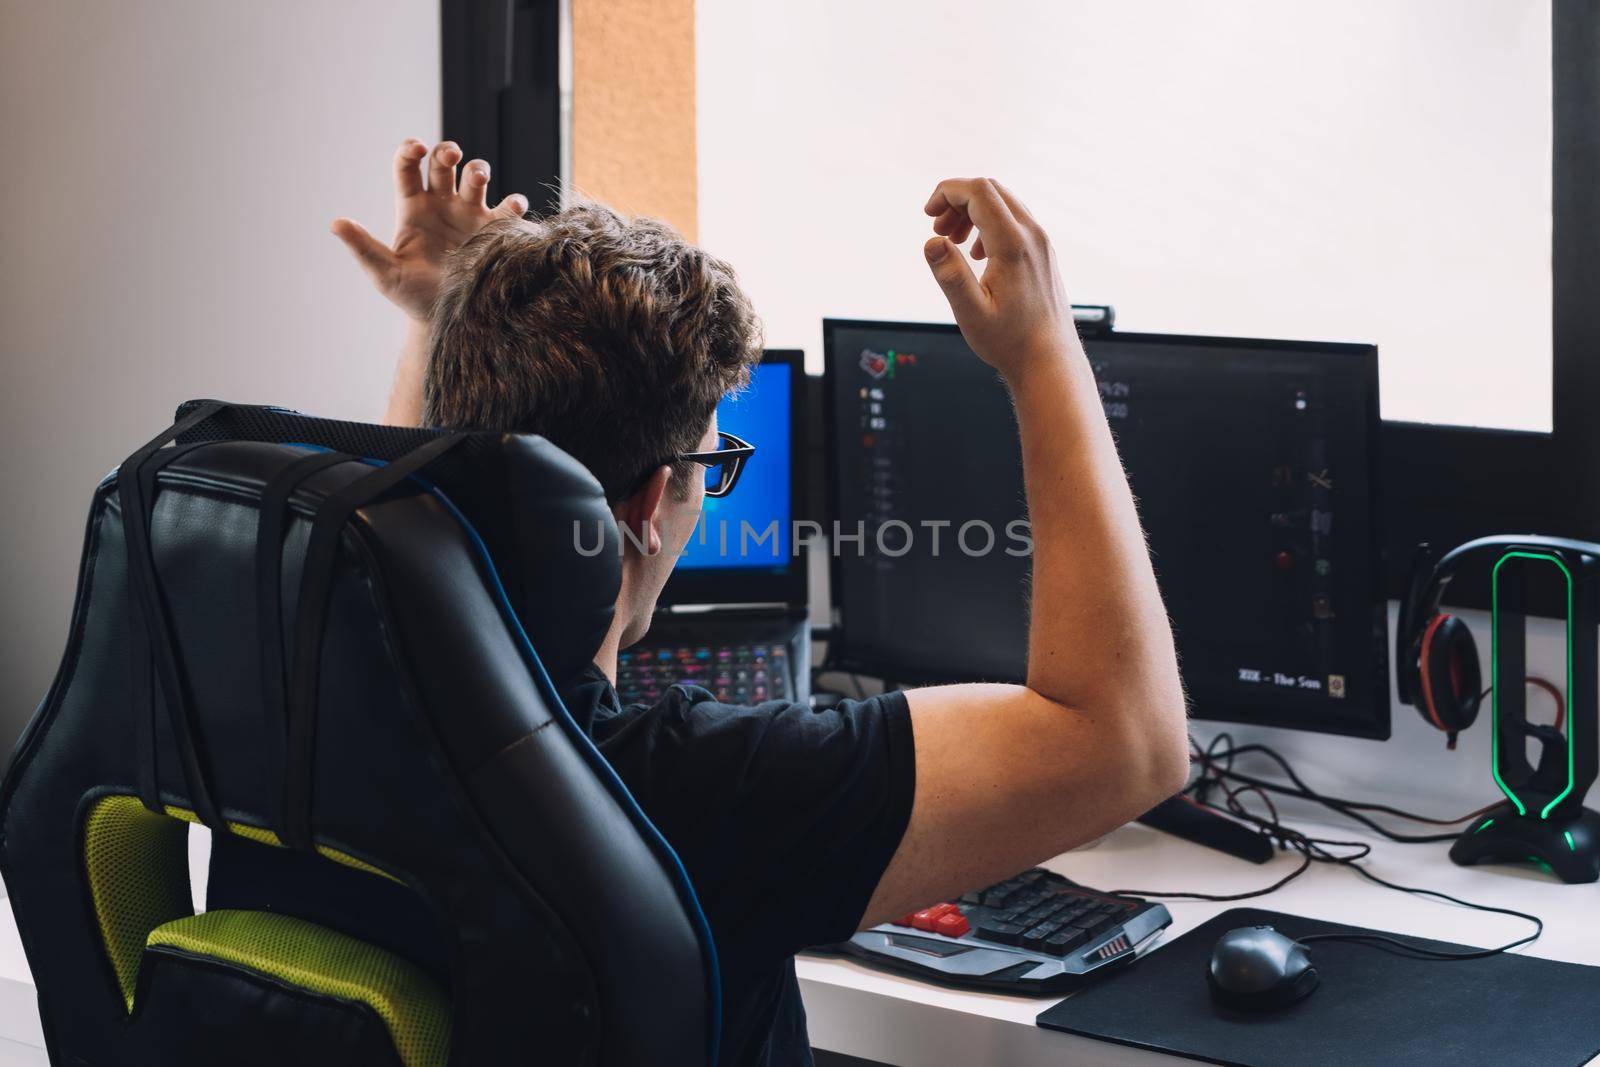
(1253, 465)
(742, 550)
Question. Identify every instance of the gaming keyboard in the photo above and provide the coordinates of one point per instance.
(1036, 933)
(735, 673)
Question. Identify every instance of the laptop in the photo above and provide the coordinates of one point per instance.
(734, 616)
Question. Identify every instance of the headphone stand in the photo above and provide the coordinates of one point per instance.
(1569, 847)
(1543, 819)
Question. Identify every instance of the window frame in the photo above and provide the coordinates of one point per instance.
(1449, 484)
(500, 65)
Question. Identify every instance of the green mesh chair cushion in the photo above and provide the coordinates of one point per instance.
(325, 962)
(137, 863)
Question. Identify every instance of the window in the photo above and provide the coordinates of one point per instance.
(1362, 171)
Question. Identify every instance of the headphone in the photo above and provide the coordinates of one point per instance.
(1436, 658)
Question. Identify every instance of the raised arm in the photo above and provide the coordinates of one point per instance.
(1006, 775)
(432, 219)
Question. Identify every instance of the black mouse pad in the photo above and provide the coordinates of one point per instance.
(1372, 1007)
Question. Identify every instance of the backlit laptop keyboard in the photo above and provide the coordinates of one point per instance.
(735, 673)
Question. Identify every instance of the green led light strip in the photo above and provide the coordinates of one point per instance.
(1494, 679)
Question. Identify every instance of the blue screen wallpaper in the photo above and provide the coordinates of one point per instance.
(735, 530)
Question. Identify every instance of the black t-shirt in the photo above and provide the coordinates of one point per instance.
(785, 819)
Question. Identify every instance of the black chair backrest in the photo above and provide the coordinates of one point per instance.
(333, 643)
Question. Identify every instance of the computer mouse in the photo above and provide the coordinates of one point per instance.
(1255, 968)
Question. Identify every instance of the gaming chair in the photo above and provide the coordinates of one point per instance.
(333, 644)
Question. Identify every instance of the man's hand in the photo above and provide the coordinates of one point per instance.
(1006, 775)
(431, 221)
(1018, 311)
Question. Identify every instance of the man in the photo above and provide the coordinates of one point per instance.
(615, 339)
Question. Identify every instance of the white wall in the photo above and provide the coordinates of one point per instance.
(174, 166)
(1368, 170)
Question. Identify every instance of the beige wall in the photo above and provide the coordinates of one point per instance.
(633, 107)
(175, 165)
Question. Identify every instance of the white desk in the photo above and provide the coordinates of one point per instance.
(896, 1020)
(862, 1012)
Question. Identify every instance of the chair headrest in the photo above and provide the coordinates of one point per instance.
(542, 517)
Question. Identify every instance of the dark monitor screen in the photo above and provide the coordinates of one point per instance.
(1252, 462)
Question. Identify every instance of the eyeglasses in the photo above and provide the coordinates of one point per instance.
(723, 466)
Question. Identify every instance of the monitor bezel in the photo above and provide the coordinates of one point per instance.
(1376, 725)
(739, 585)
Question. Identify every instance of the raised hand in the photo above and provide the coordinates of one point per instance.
(1018, 311)
(432, 220)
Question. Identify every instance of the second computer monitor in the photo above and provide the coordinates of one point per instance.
(1252, 462)
(742, 550)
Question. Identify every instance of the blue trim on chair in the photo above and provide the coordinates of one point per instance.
(586, 746)
(607, 774)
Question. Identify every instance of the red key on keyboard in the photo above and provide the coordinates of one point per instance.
(927, 918)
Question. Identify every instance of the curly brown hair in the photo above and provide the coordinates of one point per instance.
(613, 337)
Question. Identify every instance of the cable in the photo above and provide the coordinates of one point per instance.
(1313, 850)
(1305, 865)
(1548, 687)
(1210, 756)
(1538, 923)
(1312, 794)
(1334, 804)
(1236, 806)
(1349, 808)
(1285, 837)
(1433, 953)
(1216, 768)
